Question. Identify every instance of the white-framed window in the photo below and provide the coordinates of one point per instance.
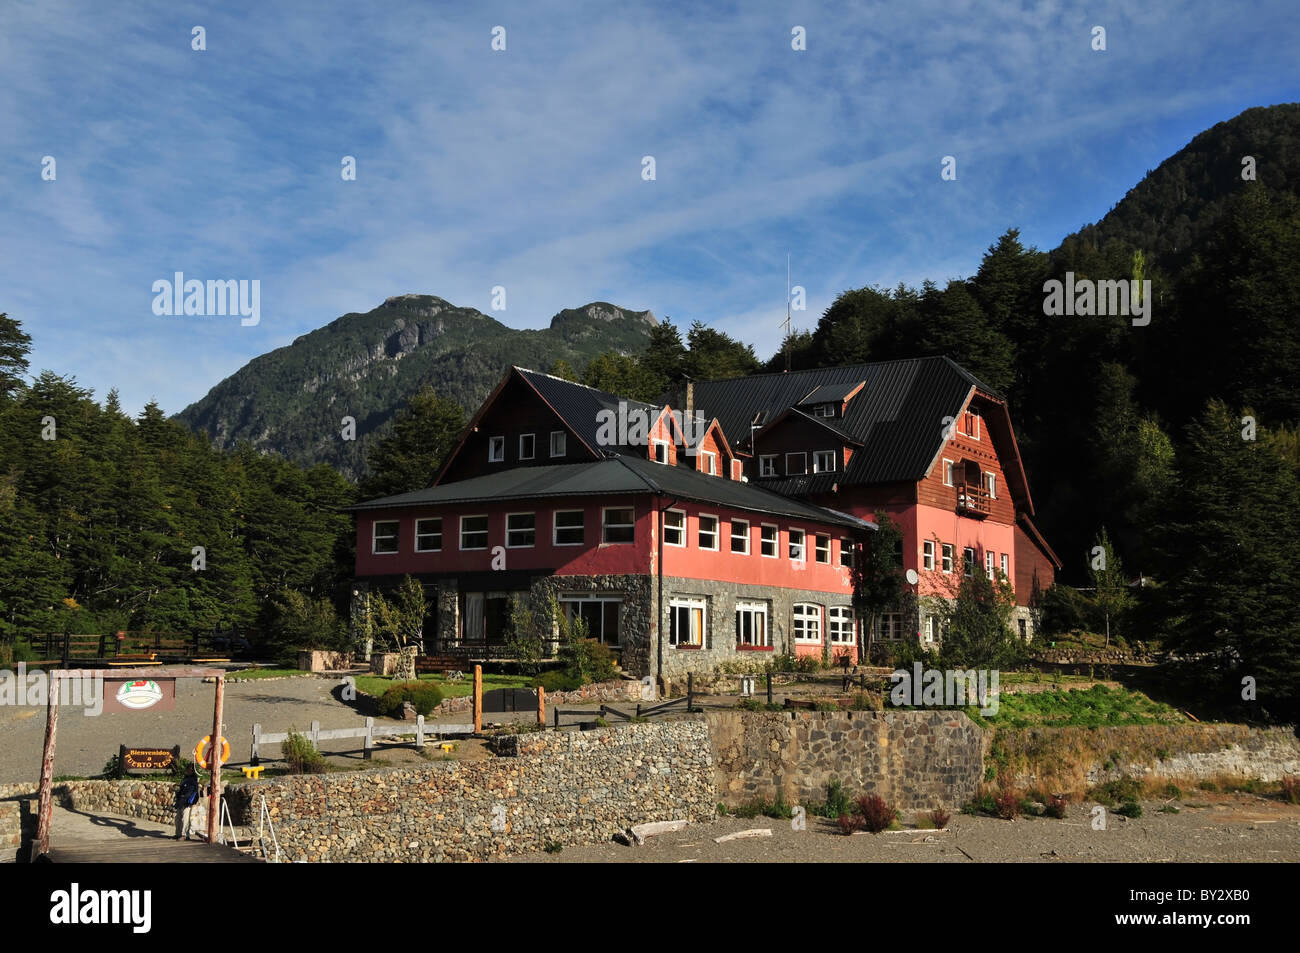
(383, 537)
(797, 545)
(496, 449)
(686, 622)
(796, 463)
(968, 561)
(751, 624)
(767, 465)
(806, 622)
(989, 558)
(600, 613)
(708, 534)
(769, 541)
(618, 524)
(927, 554)
(839, 625)
(428, 535)
(708, 462)
(823, 410)
(991, 480)
(521, 530)
(527, 446)
(1006, 565)
(473, 532)
(661, 451)
(947, 472)
(740, 537)
(822, 549)
(890, 626)
(568, 528)
(824, 461)
(559, 443)
(675, 528)
(846, 553)
(947, 552)
(929, 628)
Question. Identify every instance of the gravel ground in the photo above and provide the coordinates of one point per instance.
(1228, 829)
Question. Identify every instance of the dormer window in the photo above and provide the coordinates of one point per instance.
(970, 424)
(796, 463)
(767, 465)
(661, 451)
(824, 410)
(824, 461)
(496, 449)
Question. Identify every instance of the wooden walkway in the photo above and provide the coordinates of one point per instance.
(80, 838)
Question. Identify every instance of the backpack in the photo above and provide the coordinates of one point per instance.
(188, 795)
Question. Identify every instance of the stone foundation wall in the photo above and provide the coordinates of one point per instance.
(915, 760)
(562, 788)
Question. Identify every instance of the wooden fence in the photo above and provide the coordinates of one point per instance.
(315, 734)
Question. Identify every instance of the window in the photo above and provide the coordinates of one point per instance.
(569, 528)
(1006, 565)
(496, 449)
(767, 465)
(846, 552)
(709, 462)
(619, 525)
(708, 532)
(599, 613)
(824, 410)
(384, 537)
(428, 535)
(521, 530)
(824, 461)
(686, 618)
(947, 473)
(807, 625)
(796, 463)
(989, 558)
(839, 625)
(558, 443)
(822, 549)
(768, 544)
(796, 545)
(992, 480)
(971, 424)
(674, 528)
(527, 446)
(929, 628)
(661, 451)
(927, 554)
(947, 557)
(968, 561)
(740, 537)
(751, 625)
(473, 532)
(890, 627)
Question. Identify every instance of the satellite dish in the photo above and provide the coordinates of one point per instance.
(912, 577)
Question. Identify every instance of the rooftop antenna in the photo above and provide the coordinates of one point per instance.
(787, 312)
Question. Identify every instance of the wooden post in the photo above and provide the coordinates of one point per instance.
(45, 803)
(214, 759)
(370, 738)
(419, 731)
(769, 688)
(541, 705)
(314, 734)
(690, 690)
(67, 646)
(121, 762)
(478, 698)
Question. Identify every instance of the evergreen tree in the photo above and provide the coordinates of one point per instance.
(15, 345)
(413, 452)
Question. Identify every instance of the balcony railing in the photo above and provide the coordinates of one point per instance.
(973, 500)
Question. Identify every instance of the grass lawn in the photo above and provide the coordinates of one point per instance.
(249, 674)
(1094, 707)
(377, 684)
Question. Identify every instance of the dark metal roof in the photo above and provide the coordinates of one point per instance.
(898, 416)
(620, 474)
(830, 393)
(580, 405)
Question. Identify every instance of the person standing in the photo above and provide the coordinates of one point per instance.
(187, 796)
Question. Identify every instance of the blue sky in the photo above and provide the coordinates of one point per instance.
(522, 168)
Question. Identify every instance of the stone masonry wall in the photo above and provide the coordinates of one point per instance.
(551, 787)
(915, 760)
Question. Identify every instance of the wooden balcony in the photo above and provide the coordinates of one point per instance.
(973, 500)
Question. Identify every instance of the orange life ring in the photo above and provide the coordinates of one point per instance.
(201, 747)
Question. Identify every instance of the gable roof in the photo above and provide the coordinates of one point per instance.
(621, 474)
(897, 417)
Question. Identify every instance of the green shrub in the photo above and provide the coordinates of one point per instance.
(1130, 809)
(837, 802)
(1118, 791)
(423, 696)
(301, 756)
(111, 766)
(807, 664)
(557, 681)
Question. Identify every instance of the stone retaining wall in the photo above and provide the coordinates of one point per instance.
(915, 760)
(562, 788)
